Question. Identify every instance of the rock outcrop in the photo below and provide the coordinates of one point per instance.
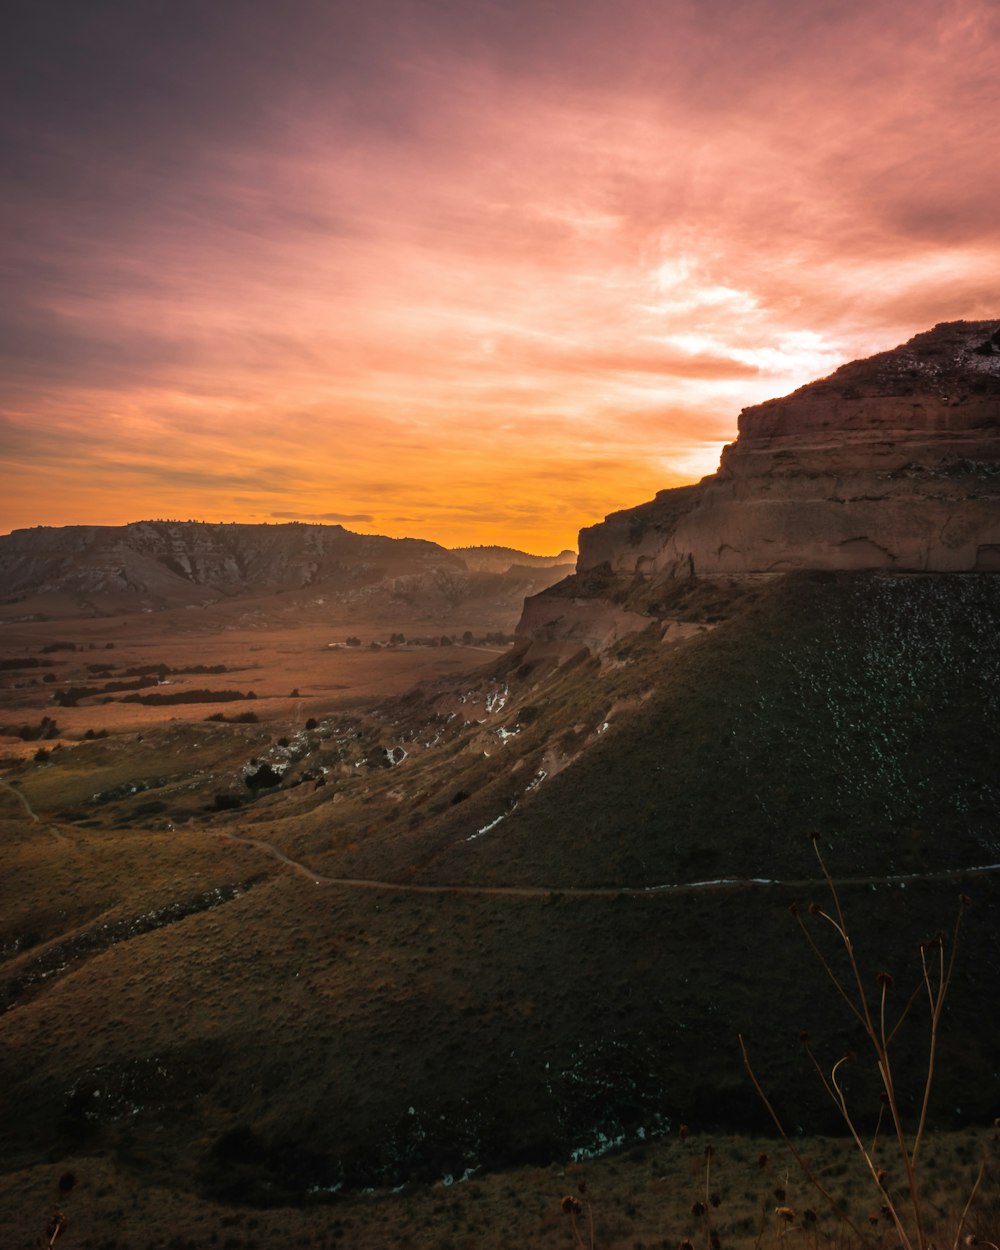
(193, 562)
(149, 565)
(890, 463)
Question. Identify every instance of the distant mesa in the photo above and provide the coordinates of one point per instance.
(890, 463)
(151, 565)
(501, 559)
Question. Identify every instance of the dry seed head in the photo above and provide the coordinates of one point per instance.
(709, 1151)
(804, 1036)
(809, 1215)
(779, 1193)
(683, 1131)
(814, 837)
(884, 979)
(815, 909)
(685, 1245)
(582, 1186)
(786, 1214)
(880, 1178)
(964, 900)
(762, 1161)
(885, 1212)
(873, 1219)
(714, 1241)
(698, 1208)
(715, 1200)
(570, 1206)
(793, 909)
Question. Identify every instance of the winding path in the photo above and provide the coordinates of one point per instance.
(627, 891)
(30, 811)
(539, 891)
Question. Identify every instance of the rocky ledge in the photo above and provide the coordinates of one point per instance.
(890, 463)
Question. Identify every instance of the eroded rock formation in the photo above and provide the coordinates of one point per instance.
(890, 463)
(149, 565)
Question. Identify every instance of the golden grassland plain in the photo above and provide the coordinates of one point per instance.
(642, 1199)
(271, 653)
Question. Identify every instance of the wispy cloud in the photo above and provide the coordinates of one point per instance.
(471, 265)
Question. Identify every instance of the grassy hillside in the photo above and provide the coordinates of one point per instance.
(866, 707)
(299, 1034)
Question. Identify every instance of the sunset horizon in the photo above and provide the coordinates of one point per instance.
(469, 273)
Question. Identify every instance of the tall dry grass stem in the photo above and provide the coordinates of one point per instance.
(573, 1207)
(936, 971)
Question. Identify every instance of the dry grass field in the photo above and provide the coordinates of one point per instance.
(641, 1199)
(265, 651)
(230, 1042)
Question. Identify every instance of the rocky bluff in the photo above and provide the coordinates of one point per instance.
(192, 561)
(890, 463)
(148, 565)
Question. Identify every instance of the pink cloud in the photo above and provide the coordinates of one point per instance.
(477, 252)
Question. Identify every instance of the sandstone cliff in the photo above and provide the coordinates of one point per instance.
(890, 463)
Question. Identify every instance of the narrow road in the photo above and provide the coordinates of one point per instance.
(30, 811)
(627, 891)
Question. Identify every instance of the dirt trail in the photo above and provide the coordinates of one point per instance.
(533, 891)
(30, 811)
(540, 891)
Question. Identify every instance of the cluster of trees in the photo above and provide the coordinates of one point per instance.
(468, 639)
(51, 647)
(73, 694)
(46, 728)
(157, 670)
(189, 696)
(142, 677)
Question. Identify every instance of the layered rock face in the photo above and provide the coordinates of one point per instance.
(191, 561)
(151, 565)
(890, 463)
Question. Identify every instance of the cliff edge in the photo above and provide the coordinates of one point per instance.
(892, 463)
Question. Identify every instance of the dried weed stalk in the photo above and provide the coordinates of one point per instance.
(907, 1213)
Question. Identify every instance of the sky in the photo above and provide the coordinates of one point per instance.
(461, 270)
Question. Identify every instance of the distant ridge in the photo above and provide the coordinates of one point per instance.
(153, 565)
(493, 559)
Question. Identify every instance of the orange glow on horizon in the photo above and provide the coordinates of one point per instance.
(486, 292)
